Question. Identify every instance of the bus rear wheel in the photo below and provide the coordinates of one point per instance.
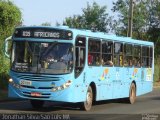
(37, 103)
(87, 105)
(132, 94)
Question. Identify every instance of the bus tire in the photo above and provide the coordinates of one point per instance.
(87, 105)
(37, 103)
(132, 94)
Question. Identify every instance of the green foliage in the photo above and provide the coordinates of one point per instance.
(157, 70)
(154, 36)
(154, 26)
(46, 24)
(140, 17)
(10, 17)
(94, 17)
(146, 20)
(146, 24)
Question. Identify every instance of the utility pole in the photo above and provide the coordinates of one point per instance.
(130, 20)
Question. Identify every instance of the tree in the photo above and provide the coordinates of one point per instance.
(146, 20)
(154, 27)
(146, 24)
(10, 17)
(140, 17)
(94, 17)
(46, 24)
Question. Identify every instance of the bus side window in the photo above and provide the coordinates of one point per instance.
(150, 57)
(137, 56)
(94, 56)
(107, 53)
(145, 56)
(118, 54)
(128, 55)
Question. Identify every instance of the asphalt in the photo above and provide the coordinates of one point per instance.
(145, 108)
(4, 97)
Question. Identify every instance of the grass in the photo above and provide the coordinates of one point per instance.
(156, 72)
(156, 84)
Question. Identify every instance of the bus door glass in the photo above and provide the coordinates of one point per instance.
(80, 53)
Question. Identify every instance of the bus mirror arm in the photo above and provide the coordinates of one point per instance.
(6, 46)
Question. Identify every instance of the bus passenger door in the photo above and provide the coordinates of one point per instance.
(80, 75)
(80, 53)
(117, 83)
(79, 63)
(118, 79)
(79, 71)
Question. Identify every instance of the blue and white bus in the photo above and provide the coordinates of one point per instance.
(77, 66)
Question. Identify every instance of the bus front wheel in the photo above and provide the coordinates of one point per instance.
(37, 103)
(132, 94)
(86, 105)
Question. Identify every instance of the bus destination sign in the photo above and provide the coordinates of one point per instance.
(43, 33)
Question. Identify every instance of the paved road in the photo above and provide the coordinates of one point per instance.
(146, 106)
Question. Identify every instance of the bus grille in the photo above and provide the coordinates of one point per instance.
(40, 78)
(32, 87)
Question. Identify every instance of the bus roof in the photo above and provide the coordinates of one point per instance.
(101, 35)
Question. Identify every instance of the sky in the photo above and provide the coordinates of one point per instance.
(36, 12)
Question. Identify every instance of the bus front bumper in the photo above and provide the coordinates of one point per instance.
(67, 95)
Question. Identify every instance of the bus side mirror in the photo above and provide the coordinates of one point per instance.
(7, 46)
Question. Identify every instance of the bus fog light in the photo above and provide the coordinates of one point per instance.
(14, 84)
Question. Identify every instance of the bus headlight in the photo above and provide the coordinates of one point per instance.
(14, 84)
(62, 87)
(10, 80)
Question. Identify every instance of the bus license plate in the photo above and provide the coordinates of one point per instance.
(35, 94)
(25, 82)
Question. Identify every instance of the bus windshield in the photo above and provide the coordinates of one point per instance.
(37, 57)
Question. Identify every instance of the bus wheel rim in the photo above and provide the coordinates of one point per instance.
(132, 94)
(89, 99)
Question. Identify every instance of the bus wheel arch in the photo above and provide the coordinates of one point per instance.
(90, 97)
(132, 93)
(135, 84)
(94, 91)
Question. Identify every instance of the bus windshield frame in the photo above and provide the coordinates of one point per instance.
(42, 57)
